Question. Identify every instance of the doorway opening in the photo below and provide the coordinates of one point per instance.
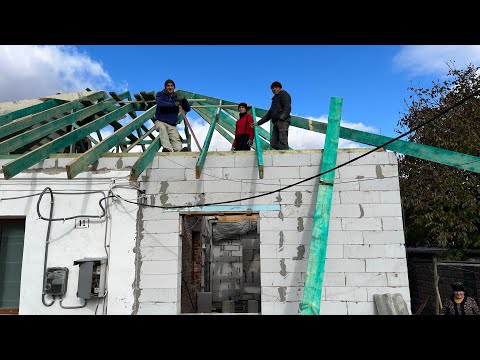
(220, 263)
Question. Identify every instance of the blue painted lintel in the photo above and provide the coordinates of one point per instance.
(227, 208)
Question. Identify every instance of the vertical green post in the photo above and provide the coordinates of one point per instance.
(312, 291)
(206, 144)
(271, 132)
(258, 147)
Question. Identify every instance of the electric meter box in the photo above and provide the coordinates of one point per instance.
(91, 277)
(55, 282)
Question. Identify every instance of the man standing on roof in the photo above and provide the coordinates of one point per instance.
(168, 102)
(244, 131)
(279, 113)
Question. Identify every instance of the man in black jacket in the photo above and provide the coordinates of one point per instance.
(279, 113)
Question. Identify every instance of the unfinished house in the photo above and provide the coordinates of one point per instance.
(89, 227)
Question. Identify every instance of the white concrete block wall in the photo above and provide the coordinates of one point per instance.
(365, 251)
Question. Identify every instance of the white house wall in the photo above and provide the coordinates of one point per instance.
(68, 244)
(365, 252)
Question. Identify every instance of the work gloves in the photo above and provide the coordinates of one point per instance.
(249, 142)
(178, 100)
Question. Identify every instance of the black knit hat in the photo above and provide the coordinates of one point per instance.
(169, 81)
(242, 104)
(275, 84)
(458, 286)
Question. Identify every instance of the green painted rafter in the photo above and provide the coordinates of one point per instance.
(131, 113)
(26, 160)
(264, 134)
(258, 147)
(31, 120)
(234, 114)
(145, 159)
(312, 291)
(17, 114)
(426, 152)
(206, 144)
(27, 137)
(79, 164)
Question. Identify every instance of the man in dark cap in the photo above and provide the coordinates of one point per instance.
(244, 131)
(168, 102)
(279, 113)
(459, 303)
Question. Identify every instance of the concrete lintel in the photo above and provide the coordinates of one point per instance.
(226, 208)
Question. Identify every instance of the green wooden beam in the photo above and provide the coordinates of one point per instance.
(27, 137)
(17, 114)
(218, 127)
(224, 117)
(223, 129)
(141, 139)
(25, 161)
(224, 121)
(206, 144)
(132, 114)
(261, 131)
(76, 126)
(30, 120)
(188, 136)
(79, 164)
(312, 291)
(258, 146)
(426, 152)
(143, 107)
(145, 159)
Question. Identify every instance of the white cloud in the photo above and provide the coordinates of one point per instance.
(32, 71)
(433, 59)
(298, 138)
(200, 128)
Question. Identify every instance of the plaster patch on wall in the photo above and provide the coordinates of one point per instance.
(378, 170)
(300, 224)
(282, 291)
(361, 210)
(119, 164)
(283, 268)
(280, 215)
(201, 199)
(282, 239)
(300, 252)
(279, 198)
(138, 261)
(163, 191)
(298, 198)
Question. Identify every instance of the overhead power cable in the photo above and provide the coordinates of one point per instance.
(415, 128)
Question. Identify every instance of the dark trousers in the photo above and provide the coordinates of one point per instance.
(241, 142)
(279, 140)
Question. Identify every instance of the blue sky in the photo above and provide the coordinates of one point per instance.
(372, 80)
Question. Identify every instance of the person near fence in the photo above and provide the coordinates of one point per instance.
(459, 303)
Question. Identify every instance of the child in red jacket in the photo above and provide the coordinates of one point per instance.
(244, 131)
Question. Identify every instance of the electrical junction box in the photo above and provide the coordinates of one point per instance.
(91, 277)
(55, 282)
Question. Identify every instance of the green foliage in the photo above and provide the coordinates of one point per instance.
(452, 255)
(440, 202)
